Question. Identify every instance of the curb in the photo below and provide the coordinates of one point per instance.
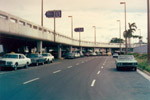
(146, 72)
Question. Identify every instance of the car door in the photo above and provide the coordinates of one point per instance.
(22, 60)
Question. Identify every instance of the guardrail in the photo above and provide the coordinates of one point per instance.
(13, 25)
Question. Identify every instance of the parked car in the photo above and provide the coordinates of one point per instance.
(14, 60)
(70, 55)
(93, 54)
(86, 54)
(48, 57)
(81, 54)
(77, 55)
(36, 59)
(115, 55)
(126, 61)
(98, 54)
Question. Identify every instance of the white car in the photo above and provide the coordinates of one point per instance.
(48, 57)
(14, 60)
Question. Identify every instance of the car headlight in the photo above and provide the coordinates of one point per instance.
(9, 63)
(135, 63)
(119, 64)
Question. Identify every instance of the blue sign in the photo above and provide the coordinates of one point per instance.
(79, 29)
(54, 13)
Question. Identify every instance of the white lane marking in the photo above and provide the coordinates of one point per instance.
(56, 71)
(144, 75)
(93, 83)
(102, 67)
(31, 80)
(98, 72)
(77, 63)
(69, 67)
(3, 73)
(82, 62)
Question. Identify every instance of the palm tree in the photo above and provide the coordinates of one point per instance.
(129, 33)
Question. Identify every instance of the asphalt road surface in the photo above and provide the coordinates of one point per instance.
(88, 78)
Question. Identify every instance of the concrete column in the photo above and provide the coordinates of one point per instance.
(93, 49)
(39, 47)
(80, 49)
(59, 51)
(71, 49)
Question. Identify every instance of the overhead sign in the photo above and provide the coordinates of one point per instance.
(79, 29)
(53, 13)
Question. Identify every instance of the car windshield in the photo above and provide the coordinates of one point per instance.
(32, 55)
(10, 56)
(44, 54)
(126, 57)
(115, 54)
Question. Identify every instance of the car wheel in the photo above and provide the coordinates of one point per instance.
(26, 66)
(15, 67)
(52, 61)
(48, 61)
(135, 69)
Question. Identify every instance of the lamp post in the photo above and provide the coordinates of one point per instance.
(41, 12)
(94, 34)
(148, 33)
(71, 26)
(126, 49)
(120, 33)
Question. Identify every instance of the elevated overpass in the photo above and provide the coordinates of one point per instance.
(18, 28)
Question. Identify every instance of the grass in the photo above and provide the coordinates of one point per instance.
(142, 61)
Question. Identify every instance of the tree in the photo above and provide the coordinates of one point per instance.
(116, 40)
(129, 33)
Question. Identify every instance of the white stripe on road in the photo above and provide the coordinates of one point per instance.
(144, 75)
(3, 73)
(102, 67)
(93, 83)
(69, 67)
(31, 81)
(98, 72)
(82, 61)
(77, 63)
(56, 71)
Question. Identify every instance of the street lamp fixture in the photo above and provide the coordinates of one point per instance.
(71, 26)
(126, 47)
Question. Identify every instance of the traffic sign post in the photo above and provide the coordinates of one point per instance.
(54, 14)
(79, 30)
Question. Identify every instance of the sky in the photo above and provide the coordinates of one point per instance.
(86, 13)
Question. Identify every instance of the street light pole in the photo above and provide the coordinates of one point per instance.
(71, 26)
(120, 33)
(148, 33)
(126, 50)
(94, 34)
(41, 12)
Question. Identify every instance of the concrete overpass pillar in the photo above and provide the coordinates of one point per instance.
(80, 49)
(39, 47)
(59, 51)
(71, 49)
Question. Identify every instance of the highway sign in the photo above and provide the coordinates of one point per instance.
(79, 29)
(53, 13)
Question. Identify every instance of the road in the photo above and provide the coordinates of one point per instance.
(88, 78)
